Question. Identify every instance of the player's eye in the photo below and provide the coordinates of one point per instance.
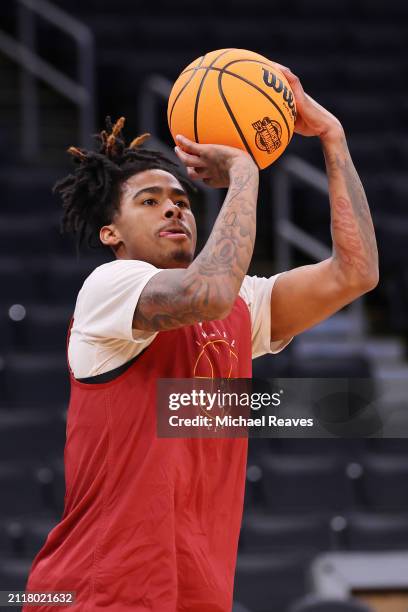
(183, 204)
(149, 202)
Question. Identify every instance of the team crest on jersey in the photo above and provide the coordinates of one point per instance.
(217, 356)
(268, 134)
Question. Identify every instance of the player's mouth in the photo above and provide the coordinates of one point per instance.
(174, 233)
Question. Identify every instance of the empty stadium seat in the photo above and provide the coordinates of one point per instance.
(65, 277)
(24, 537)
(349, 107)
(20, 494)
(262, 533)
(14, 573)
(29, 433)
(35, 380)
(13, 535)
(269, 582)
(25, 235)
(365, 156)
(36, 533)
(19, 282)
(6, 330)
(24, 187)
(363, 73)
(44, 329)
(315, 603)
(386, 38)
(305, 483)
(392, 446)
(375, 531)
(321, 9)
(351, 365)
(50, 483)
(352, 448)
(383, 482)
(238, 607)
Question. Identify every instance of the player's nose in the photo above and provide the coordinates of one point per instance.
(171, 210)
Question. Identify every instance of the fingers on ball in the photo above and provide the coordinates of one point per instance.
(197, 174)
(187, 144)
(190, 160)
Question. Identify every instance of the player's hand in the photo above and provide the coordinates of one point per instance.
(312, 118)
(210, 163)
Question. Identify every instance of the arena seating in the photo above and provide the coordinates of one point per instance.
(319, 604)
(303, 496)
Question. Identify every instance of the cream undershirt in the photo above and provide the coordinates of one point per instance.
(102, 337)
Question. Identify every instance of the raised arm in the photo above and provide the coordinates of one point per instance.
(304, 296)
(207, 289)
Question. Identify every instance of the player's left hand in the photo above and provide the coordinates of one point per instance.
(312, 118)
(211, 163)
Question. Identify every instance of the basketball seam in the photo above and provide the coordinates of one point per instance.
(195, 69)
(223, 70)
(232, 117)
(259, 89)
(239, 60)
(200, 90)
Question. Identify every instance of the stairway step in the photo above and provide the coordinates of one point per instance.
(382, 350)
(392, 371)
(340, 324)
(385, 350)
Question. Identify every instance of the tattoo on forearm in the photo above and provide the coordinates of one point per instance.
(348, 245)
(217, 273)
(353, 233)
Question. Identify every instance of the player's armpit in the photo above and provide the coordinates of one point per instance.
(307, 295)
(176, 297)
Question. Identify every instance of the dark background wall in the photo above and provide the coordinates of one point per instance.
(352, 57)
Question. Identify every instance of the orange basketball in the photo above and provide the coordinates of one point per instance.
(237, 98)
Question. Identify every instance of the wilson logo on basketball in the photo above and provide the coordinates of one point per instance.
(268, 134)
(271, 80)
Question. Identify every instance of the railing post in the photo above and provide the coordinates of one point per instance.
(147, 110)
(28, 89)
(281, 212)
(86, 77)
(289, 235)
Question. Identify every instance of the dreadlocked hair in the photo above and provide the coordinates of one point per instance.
(91, 195)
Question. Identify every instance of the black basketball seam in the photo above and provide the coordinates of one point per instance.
(200, 89)
(223, 70)
(195, 69)
(232, 117)
(234, 61)
(258, 89)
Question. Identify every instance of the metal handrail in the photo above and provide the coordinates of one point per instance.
(288, 234)
(23, 51)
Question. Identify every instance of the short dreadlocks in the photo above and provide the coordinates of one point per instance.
(91, 195)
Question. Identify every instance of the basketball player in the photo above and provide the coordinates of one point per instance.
(152, 524)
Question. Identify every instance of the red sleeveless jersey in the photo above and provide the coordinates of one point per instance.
(150, 523)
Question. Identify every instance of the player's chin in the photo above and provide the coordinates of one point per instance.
(181, 257)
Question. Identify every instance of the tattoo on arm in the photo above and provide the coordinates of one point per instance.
(174, 298)
(353, 235)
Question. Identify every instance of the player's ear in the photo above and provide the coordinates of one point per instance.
(109, 235)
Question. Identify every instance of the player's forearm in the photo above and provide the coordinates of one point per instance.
(216, 275)
(207, 289)
(355, 255)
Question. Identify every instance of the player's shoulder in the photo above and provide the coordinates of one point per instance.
(111, 276)
(255, 288)
(116, 268)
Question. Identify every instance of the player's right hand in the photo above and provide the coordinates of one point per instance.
(211, 163)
